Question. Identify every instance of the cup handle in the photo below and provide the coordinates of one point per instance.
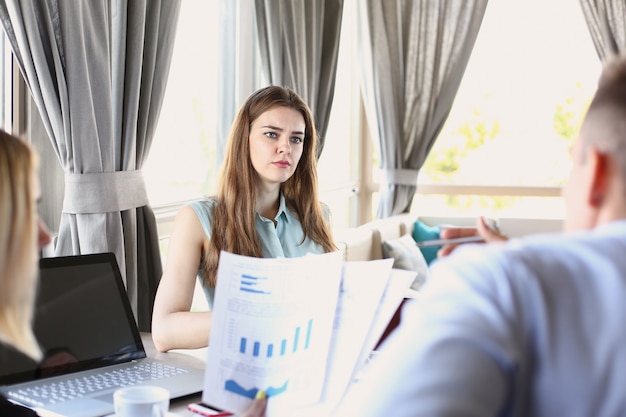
(157, 411)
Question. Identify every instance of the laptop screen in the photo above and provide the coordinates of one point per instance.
(82, 320)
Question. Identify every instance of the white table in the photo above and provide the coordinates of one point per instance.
(188, 357)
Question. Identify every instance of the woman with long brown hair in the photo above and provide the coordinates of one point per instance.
(267, 206)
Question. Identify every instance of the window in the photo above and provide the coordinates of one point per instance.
(532, 73)
(182, 163)
(5, 95)
(502, 152)
(6, 86)
(338, 165)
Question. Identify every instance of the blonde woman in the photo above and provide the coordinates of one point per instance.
(21, 235)
(266, 206)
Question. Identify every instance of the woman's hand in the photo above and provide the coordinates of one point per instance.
(482, 229)
(257, 407)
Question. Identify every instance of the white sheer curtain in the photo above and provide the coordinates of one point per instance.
(412, 55)
(97, 71)
(238, 64)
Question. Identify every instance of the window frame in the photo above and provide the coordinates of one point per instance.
(14, 105)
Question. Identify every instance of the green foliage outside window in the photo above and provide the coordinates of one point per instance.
(471, 135)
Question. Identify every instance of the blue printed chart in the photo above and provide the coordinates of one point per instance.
(232, 386)
(254, 347)
(280, 284)
(284, 346)
(255, 284)
(272, 329)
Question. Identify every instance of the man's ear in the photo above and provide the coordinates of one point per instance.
(599, 166)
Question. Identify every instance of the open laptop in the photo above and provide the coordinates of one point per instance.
(86, 328)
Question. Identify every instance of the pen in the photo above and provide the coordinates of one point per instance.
(207, 411)
(441, 242)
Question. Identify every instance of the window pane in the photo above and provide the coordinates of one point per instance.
(182, 161)
(5, 83)
(441, 205)
(338, 163)
(525, 90)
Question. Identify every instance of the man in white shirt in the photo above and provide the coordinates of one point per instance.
(528, 327)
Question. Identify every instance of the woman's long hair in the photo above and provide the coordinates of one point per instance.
(234, 227)
(18, 244)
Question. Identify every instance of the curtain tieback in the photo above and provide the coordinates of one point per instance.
(401, 176)
(103, 192)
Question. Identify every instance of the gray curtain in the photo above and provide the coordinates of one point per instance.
(299, 44)
(97, 72)
(412, 55)
(606, 20)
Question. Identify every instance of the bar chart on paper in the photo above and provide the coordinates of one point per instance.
(255, 284)
(299, 339)
(253, 343)
(252, 346)
(247, 334)
(269, 330)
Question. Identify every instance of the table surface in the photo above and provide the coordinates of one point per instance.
(193, 357)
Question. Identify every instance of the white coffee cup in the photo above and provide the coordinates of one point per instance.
(141, 401)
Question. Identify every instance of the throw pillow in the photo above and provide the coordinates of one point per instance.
(406, 255)
(421, 232)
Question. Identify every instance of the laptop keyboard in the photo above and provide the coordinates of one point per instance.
(71, 388)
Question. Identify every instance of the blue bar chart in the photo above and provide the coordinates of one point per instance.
(254, 284)
(299, 340)
(272, 329)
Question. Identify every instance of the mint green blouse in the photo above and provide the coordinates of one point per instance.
(281, 241)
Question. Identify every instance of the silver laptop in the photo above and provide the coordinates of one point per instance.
(92, 345)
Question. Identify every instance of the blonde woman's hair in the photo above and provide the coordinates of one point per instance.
(18, 244)
(234, 227)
